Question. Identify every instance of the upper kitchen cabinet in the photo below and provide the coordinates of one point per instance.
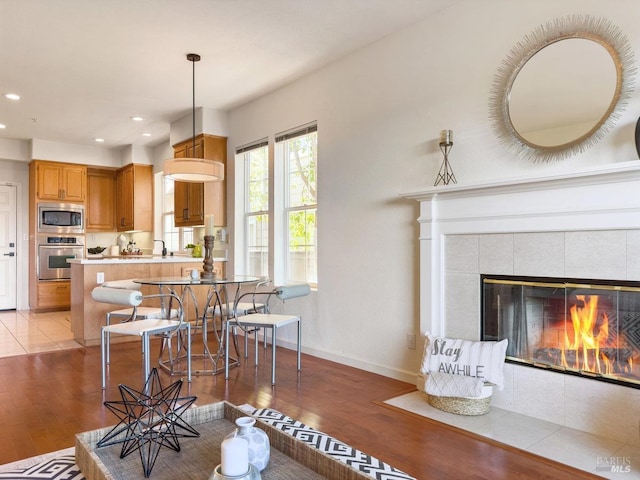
(61, 182)
(192, 199)
(134, 198)
(100, 210)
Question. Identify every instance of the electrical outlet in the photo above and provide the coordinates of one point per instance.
(411, 341)
(100, 277)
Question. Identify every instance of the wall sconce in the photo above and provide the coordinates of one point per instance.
(445, 175)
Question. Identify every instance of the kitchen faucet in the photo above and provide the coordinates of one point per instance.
(164, 249)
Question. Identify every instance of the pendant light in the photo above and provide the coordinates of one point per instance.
(193, 169)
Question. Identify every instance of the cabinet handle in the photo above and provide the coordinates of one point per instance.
(185, 213)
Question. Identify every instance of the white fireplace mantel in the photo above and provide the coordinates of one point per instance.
(605, 198)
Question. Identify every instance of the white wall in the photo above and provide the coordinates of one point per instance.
(379, 114)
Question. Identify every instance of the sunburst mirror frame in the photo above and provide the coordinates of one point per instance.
(587, 27)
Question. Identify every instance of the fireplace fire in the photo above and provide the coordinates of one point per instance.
(581, 327)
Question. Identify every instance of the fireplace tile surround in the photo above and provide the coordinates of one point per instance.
(585, 225)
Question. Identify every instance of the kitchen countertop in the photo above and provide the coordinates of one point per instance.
(108, 259)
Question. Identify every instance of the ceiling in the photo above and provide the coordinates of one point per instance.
(84, 67)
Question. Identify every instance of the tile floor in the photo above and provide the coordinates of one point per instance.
(28, 332)
(572, 447)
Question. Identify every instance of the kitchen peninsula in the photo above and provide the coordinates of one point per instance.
(87, 315)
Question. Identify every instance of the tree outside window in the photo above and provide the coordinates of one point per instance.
(301, 154)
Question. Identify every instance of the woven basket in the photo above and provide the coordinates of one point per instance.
(461, 405)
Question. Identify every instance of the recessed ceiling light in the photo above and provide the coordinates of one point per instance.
(12, 96)
(137, 118)
(2, 125)
(146, 134)
(100, 140)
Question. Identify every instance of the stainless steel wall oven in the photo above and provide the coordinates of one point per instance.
(53, 253)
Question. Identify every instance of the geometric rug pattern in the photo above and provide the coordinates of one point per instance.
(339, 450)
(60, 468)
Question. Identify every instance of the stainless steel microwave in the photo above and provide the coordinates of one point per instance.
(60, 218)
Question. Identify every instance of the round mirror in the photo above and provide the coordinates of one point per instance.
(561, 89)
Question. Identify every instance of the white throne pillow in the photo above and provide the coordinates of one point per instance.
(455, 356)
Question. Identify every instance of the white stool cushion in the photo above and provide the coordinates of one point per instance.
(144, 312)
(140, 327)
(243, 308)
(267, 320)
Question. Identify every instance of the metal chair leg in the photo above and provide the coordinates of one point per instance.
(299, 341)
(273, 355)
(103, 357)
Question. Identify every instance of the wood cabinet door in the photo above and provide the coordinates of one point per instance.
(100, 201)
(49, 181)
(124, 199)
(74, 181)
(188, 204)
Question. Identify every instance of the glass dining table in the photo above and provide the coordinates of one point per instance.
(218, 301)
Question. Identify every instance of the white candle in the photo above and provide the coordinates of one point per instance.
(208, 225)
(446, 136)
(235, 456)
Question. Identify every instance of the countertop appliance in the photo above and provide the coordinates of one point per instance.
(61, 218)
(53, 253)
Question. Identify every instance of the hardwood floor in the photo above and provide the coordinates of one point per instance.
(45, 399)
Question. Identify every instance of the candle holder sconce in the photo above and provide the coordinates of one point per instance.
(445, 175)
(207, 264)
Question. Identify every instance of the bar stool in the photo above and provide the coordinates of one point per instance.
(253, 322)
(164, 327)
(125, 314)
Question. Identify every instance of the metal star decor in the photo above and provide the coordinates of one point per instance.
(149, 420)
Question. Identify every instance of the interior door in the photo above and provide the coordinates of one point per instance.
(8, 260)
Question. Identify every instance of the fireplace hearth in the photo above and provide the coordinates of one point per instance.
(576, 326)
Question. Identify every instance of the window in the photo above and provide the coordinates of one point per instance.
(298, 155)
(277, 229)
(175, 238)
(256, 165)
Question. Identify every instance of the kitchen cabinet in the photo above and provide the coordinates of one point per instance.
(60, 181)
(188, 204)
(134, 198)
(192, 199)
(53, 295)
(100, 208)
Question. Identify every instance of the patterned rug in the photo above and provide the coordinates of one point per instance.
(61, 465)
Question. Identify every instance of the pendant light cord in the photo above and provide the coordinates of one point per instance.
(193, 106)
(193, 58)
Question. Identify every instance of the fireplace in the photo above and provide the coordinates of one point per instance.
(582, 225)
(580, 327)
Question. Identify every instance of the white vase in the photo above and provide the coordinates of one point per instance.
(259, 447)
